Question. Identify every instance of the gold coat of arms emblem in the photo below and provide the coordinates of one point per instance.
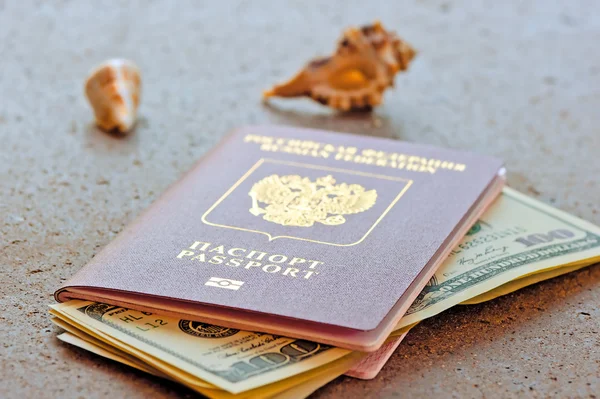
(293, 200)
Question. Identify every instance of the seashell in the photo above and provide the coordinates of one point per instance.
(355, 77)
(113, 90)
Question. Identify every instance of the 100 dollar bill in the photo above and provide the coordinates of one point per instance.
(517, 284)
(296, 387)
(517, 242)
(230, 359)
(517, 237)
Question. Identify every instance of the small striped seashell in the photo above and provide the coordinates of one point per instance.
(113, 90)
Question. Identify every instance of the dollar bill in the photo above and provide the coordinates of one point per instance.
(109, 353)
(519, 241)
(293, 388)
(517, 284)
(518, 236)
(230, 359)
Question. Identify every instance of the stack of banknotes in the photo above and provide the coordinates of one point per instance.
(519, 241)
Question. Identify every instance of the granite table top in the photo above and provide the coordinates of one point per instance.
(519, 80)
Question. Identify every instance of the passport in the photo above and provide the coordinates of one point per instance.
(305, 233)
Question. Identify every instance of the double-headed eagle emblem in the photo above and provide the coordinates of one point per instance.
(293, 200)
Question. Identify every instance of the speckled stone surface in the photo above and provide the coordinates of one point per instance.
(520, 80)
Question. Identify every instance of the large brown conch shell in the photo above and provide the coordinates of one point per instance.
(355, 77)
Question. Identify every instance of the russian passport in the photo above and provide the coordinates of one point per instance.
(315, 235)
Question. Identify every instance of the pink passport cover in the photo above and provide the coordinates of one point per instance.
(371, 365)
(349, 274)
